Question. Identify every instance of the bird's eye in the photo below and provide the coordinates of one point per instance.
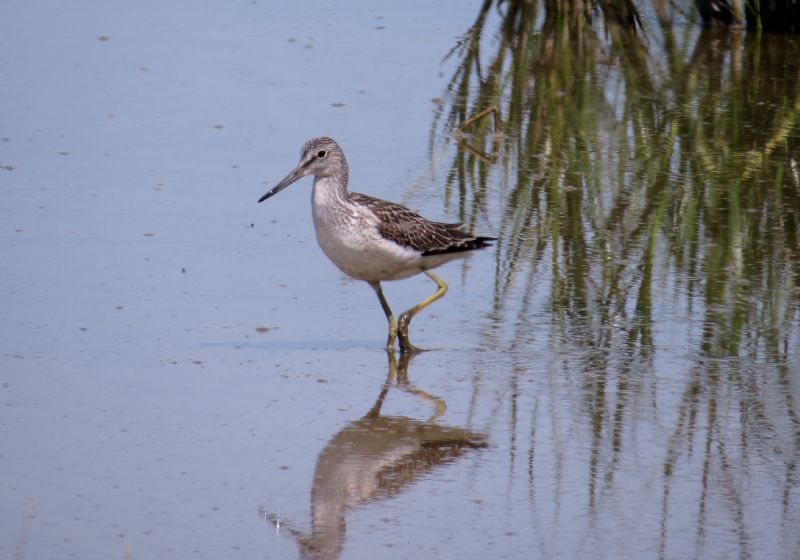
(321, 154)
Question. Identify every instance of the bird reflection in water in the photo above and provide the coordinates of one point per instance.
(374, 458)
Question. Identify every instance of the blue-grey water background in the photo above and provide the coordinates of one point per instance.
(174, 358)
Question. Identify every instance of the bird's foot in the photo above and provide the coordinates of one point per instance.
(405, 344)
(392, 334)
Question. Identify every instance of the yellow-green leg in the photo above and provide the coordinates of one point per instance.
(389, 315)
(405, 318)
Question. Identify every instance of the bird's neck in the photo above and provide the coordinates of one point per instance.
(331, 188)
(342, 174)
(329, 191)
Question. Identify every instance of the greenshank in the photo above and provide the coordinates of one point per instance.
(375, 240)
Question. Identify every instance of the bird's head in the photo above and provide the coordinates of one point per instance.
(321, 157)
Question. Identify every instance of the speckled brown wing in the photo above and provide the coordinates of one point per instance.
(407, 228)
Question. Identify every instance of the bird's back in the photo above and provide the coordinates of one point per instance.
(406, 228)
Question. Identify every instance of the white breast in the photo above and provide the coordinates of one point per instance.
(348, 235)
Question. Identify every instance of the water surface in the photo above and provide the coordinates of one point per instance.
(184, 374)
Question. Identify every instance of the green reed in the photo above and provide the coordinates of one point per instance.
(637, 155)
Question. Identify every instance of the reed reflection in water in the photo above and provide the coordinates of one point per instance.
(375, 458)
(646, 194)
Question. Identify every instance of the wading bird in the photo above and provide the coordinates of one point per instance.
(375, 240)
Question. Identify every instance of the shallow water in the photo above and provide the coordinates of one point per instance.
(182, 372)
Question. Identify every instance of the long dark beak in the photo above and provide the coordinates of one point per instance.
(298, 173)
